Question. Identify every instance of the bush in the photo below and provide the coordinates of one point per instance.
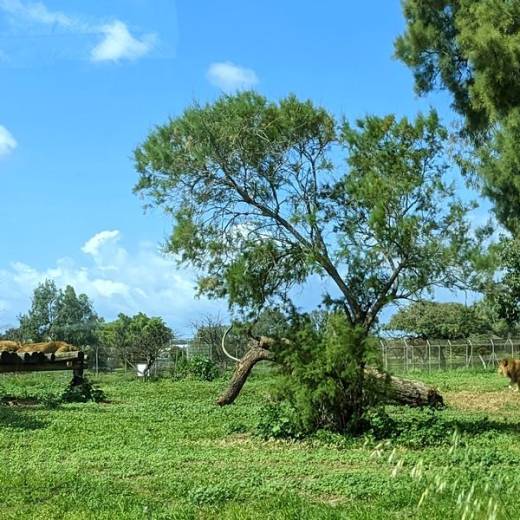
(279, 421)
(86, 391)
(203, 368)
(324, 379)
(198, 367)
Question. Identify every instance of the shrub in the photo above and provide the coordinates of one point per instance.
(198, 367)
(203, 368)
(279, 421)
(86, 391)
(325, 381)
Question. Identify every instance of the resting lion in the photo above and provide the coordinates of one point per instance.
(510, 368)
(9, 346)
(49, 347)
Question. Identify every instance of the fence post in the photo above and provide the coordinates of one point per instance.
(406, 360)
(451, 355)
(429, 352)
(383, 348)
(471, 351)
(512, 348)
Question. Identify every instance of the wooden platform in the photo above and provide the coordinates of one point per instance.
(40, 362)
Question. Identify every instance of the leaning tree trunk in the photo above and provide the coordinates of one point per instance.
(242, 371)
(398, 390)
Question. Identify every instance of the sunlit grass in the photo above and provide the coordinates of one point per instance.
(164, 450)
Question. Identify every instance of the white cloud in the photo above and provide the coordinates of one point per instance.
(119, 44)
(117, 41)
(116, 279)
(229, 77)
(7, 141)
(37, 12)
(93, 245)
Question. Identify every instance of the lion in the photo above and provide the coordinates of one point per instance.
(9, 346)
(49, 347)
(510, 368)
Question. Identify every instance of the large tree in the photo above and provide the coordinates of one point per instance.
(139, 338)
(265, 194)
(57, 314)
(472, 49)
(435, 320)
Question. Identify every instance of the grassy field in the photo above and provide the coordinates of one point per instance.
(163, 450)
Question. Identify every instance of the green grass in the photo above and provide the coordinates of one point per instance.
(163, 450)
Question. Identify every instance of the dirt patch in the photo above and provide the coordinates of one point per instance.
(494, 402)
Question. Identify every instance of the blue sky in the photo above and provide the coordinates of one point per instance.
(82, 83)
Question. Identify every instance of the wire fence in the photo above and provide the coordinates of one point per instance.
(404, 355)
(397, 355)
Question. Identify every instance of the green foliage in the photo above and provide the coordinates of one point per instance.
(59, 315)
(279, 421)
(197, 367)
(472, 48)
(434, 320)
(203, 368)
(325, 381)
(139, 338)
(259, 205)
(210, 495)
(417, 428)
(82, 393)
(505, 295)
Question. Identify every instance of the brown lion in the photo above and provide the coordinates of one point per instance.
(510, 368)
(49, 347)
(9, 346)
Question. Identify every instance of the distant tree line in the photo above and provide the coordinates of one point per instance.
(62, 315)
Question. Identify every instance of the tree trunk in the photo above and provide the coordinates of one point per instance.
(242, 371)
(406, 391)
(398, 390)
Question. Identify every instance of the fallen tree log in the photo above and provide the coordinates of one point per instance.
(407, 391)
(397, 390)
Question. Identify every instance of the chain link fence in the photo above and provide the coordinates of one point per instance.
(404, 355)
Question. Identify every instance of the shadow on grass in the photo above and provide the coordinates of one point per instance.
(476, 426)
(16, 417)
(427, 427)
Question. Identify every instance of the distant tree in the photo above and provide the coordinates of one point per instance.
(37, 324)
(207, 338)
(137, 339)
(57, 314)
(75, 320)
(434, 320)
(12, 334)
(209, 332)
(261, 201)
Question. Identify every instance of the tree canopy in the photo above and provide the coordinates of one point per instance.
(472, 49)
(138, 338)
(434, 320)
(57, 314)
(265, 194)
